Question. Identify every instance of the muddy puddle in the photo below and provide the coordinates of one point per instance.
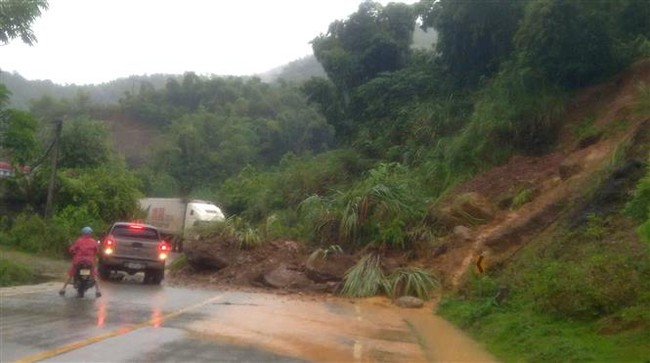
(339, 330)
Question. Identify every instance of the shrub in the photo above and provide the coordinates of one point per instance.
(232, 227)
(12, 273)
(599, 285)
(380, 209)
(28, 233)
(412, 281)
(365, 278)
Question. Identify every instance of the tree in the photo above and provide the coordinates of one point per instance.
(84, 144)
(473, 36)
(567, 41)
(16, 18)
(19, 135)
(372, 40)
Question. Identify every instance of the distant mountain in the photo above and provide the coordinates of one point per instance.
(296, 71)
(23, 90)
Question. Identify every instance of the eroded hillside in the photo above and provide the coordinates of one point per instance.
(492, 215)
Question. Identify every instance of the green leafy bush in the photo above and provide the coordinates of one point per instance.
(12, 273)
(30, 233)
(110, 191)
(598, 285)
(233, 227)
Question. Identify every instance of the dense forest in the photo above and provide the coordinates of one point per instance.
(357, 155)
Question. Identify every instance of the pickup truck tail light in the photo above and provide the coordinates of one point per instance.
(164, 248)
(109, 245)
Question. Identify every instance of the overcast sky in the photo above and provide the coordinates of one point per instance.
(96, 41)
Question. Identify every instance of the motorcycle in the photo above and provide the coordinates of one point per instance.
(83, 278)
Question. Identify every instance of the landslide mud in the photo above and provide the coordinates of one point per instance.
(340, 330)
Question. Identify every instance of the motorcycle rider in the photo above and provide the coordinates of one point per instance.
(83, 249)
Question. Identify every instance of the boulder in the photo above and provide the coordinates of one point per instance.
(462, 233)
(283, 277)
(331, 268)
(210, 255)
(409, 302)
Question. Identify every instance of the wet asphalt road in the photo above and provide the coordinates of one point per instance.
(133, 322)
(130, 322)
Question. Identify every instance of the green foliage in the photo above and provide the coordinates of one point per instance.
(518, 333)
(16, 18)
(109, 192)
(516, 111)
(474, 36)
(523, 196)
(600, 285)
(586, 129)
(18, 136)
(643, 102)
(411, 281)
(323, 253)
(561, 39)
(69, 221)
(12, 273)
(222, 125)
(30, 233)
(639, 206)
(644, 230)
(374, 39)
(84, 144)
(233, 227)
(379, 209)
(365, 278)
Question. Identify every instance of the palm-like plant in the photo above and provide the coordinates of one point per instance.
(364, 279)
(412, 281)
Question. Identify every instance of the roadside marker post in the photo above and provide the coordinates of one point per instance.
(481, 269)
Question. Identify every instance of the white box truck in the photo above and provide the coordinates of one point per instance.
(175, 216)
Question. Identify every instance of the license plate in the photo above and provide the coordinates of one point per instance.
(135, 266)
(84, 272)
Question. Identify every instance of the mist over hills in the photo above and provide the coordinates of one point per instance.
(24, 90)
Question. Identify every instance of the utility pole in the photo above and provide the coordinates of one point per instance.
(58, 125)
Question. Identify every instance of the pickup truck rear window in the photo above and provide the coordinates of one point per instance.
(129, 232)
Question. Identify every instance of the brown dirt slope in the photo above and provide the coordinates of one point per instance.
(552, 181)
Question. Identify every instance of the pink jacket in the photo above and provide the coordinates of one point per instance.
(84, 249)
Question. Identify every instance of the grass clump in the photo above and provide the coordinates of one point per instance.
(13, 273)
(233, 227)
(411, 281)
(524, 196)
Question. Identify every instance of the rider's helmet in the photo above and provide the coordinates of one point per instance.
(86, 230)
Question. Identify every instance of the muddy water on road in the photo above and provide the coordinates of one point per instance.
(339, 330)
